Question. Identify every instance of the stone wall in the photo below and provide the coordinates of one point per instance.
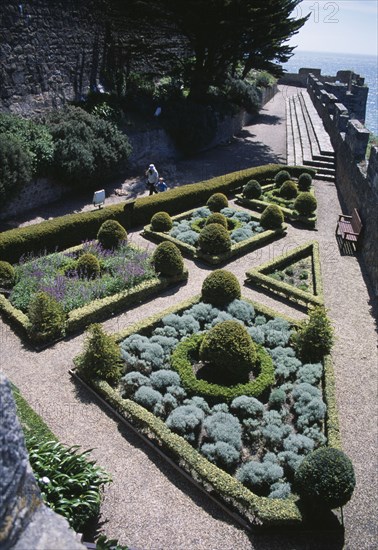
(356, 178)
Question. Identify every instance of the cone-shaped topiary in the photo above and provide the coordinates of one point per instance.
(220, 288)
(217, 217)
(167, 259)
(252, 190)
(161, 221)
(304, 182)
(229, 347)
(47, 318)
(326, 478)
(88, 266)
(216, 202)
(314, 339)
(281, 177)
(214, 239)
(289, 190)
(7, 274)
(272, 217)
(101, 357)
(111, 234)
(305, 204)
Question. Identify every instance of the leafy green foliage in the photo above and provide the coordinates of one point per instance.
(217, 217)
(304, 182)
(15, 167)
(214, 239)
(272, 217)
(161, 221)
(111, 234)
(281, 177)
(228, 347)
(220, 287)
(103, 543)
(101, 357)
(47, 318)
(252, 190)
(305, 204)
(314, 339)
(243, 94)
(70, 483)
(88, 266)
(288, 190)
(217, 201)
(7, 274)
(326, 478)
(167, 259)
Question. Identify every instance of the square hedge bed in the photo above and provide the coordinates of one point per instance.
(190, 421)
(252, 242)
(287, 206)
(142, 285)
(276, 277)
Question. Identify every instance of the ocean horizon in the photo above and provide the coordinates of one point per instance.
(331, 62)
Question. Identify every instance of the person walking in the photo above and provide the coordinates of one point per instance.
(161, 186)
(152, 176)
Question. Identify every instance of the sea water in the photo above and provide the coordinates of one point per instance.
(329, 63)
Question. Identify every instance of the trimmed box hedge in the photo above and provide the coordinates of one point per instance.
(258, 511)
(260, 276)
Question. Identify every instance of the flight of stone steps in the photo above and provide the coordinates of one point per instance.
(308, 143)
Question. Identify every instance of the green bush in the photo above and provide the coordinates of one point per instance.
(220, 288)
(88, 150)
(252, 190)
(7, 274)
(281, 177)
(47, 319)
(304, 182)
(88, 266)
(314, 339)
(161, 221)
(111, 234)
(272, 217)
(289, 190)
(229, 347)
(167, 259)
(243, 94)
(217, 201)
(326, 478)
(214, 239)
(101, 357)
(305, 204)
(15, 167)
(217, 217)
(70, 483)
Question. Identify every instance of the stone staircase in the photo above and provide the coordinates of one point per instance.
(308, 143)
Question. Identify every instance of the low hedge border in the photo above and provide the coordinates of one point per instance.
(215, 393)
(259, 276)
(257, 241)
(258, 511)
(62, 232)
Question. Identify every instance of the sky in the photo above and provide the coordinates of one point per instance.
(346, 26)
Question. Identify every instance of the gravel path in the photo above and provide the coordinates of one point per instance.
(148, 505)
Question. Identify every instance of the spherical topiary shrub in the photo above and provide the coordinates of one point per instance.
(289, 190)
(167, 259)
(304, 182)
(217, 217)
(272, 217)
(88, 266)
(305, 204)
(220, 288)
(230, 348)
(161, 221)
(217, 201)
(281, 177)
(214, 239)
(111, 234)
(326, 478)
(252, 190)
(7, 274)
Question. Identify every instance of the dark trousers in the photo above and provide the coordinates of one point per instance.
(152, 189)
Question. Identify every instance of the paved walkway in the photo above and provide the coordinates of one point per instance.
(151, 507)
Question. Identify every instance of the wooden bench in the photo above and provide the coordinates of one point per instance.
(349, 228)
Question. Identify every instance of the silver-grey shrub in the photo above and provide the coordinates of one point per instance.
(222, 454)
(298, 443)
(186, 421)
(259, 476)
(308, 405)
(147, 397)
(183, 324)
(199, 402)
(310, 373)
(242, 311)
(285, 362)
(132, 381)
(280, 489)
(224, 427)
(163, 378)
(247, 407)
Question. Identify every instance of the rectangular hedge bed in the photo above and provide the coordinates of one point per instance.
(154, 396)
(244, 246)
(262, 275)
(141, 287)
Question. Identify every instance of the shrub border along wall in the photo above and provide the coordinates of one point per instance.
(259, 275)
(62, 232)
(256, 511)
(237, 249)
